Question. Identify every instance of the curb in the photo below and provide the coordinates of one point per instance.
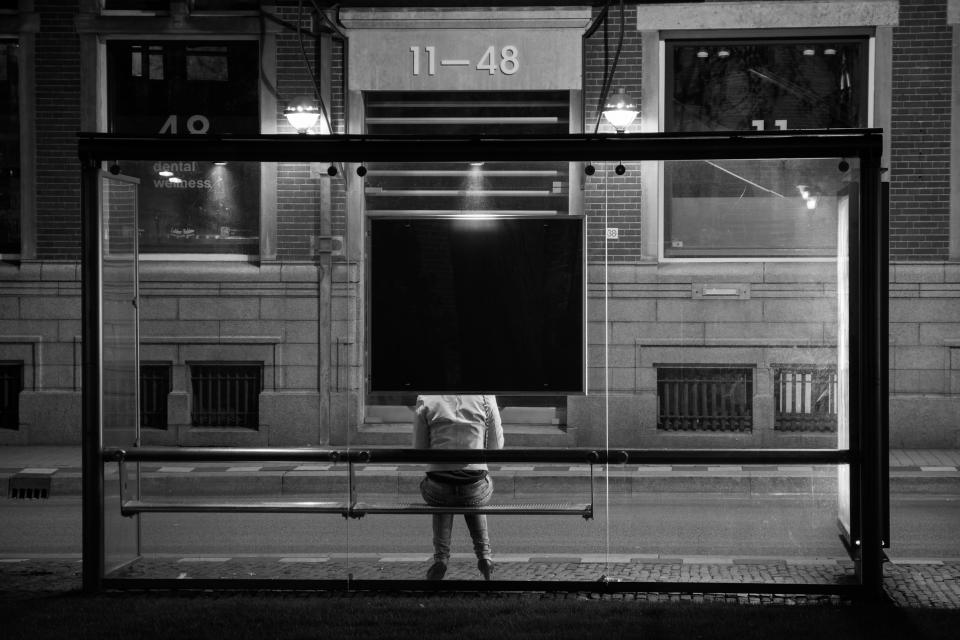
(508, 483)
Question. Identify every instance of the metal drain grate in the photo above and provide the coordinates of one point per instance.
(29, 487)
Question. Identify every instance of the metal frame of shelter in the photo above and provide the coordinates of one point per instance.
(866, 456)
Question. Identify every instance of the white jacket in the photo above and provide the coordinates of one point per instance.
(457, 422)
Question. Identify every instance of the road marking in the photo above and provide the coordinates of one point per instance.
(204, 559)
(931, 561)
(43, 470)
(176, 469)
(938, 468)
(705, 560)
(313, 467)
(247, 469)
(306, 560)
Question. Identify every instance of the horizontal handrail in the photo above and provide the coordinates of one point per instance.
(578, 455)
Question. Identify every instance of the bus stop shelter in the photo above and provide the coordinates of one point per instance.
(116, 512)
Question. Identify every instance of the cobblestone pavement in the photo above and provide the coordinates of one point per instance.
(935, 584)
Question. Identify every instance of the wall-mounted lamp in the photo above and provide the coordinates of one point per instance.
(302, 113)
(620, 110)
(723, 53)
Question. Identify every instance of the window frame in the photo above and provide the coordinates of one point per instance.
(656, 183)
(22, 28)
(267, 246)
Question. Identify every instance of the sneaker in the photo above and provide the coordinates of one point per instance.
(486, 567)
(437, 571)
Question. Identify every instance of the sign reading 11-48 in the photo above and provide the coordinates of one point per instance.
(493, 60)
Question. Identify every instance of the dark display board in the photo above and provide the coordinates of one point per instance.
(477, 305)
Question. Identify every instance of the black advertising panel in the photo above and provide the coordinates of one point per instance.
(492, 305)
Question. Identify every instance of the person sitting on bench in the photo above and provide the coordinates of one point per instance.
(457, 422)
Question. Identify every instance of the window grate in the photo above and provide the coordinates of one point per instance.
(705, 399)
(154, 389)
(467, 188)
(226, 395)
(805, 399)
(11, 384)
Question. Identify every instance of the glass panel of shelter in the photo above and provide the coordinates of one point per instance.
(746, 357)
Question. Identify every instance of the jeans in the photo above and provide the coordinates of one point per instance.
(441, 494)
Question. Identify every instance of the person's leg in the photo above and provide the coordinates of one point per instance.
(434, 493)
(480, 494)
(442, 528)
(477, 524)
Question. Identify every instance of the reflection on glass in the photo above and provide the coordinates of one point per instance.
(752, 208)
(182, 87)
(776, 84)
(198, 207)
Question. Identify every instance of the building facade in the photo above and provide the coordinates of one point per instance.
(254, 315)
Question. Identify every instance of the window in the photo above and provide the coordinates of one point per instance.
(501, 188)
(702, 398)
(805, 398)
(9, 148)
(727, 208)
(226, 395)
(11, 384)
(190, 87)
(154, 389)
(469, 187)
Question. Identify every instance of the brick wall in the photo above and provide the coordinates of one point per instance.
(298, 203)
(611, 200)
(920, 136)
(57, 123)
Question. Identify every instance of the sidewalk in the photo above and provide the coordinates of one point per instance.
(912, 471)
(912, 582)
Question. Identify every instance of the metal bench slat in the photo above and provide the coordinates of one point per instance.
(581, 509)
(131, 507)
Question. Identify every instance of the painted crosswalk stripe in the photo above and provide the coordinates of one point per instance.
(938, 468)
(176, 469)
(245, 469)
(313, 467)
(43, 470)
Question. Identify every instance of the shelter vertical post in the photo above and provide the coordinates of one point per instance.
(93, 533)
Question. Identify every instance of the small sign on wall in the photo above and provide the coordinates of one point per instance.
(464, 59)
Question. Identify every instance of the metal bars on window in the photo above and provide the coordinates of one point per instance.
(705, 399)
(154, 389)
(226, 395)
(805, 399)
(11, 384)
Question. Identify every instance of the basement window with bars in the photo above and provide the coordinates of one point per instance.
(805, 398)
(154, 389)
(11, 384)
(705, 398)
(226, 394)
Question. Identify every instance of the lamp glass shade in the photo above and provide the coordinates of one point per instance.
(620, 110)
(302, 113)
